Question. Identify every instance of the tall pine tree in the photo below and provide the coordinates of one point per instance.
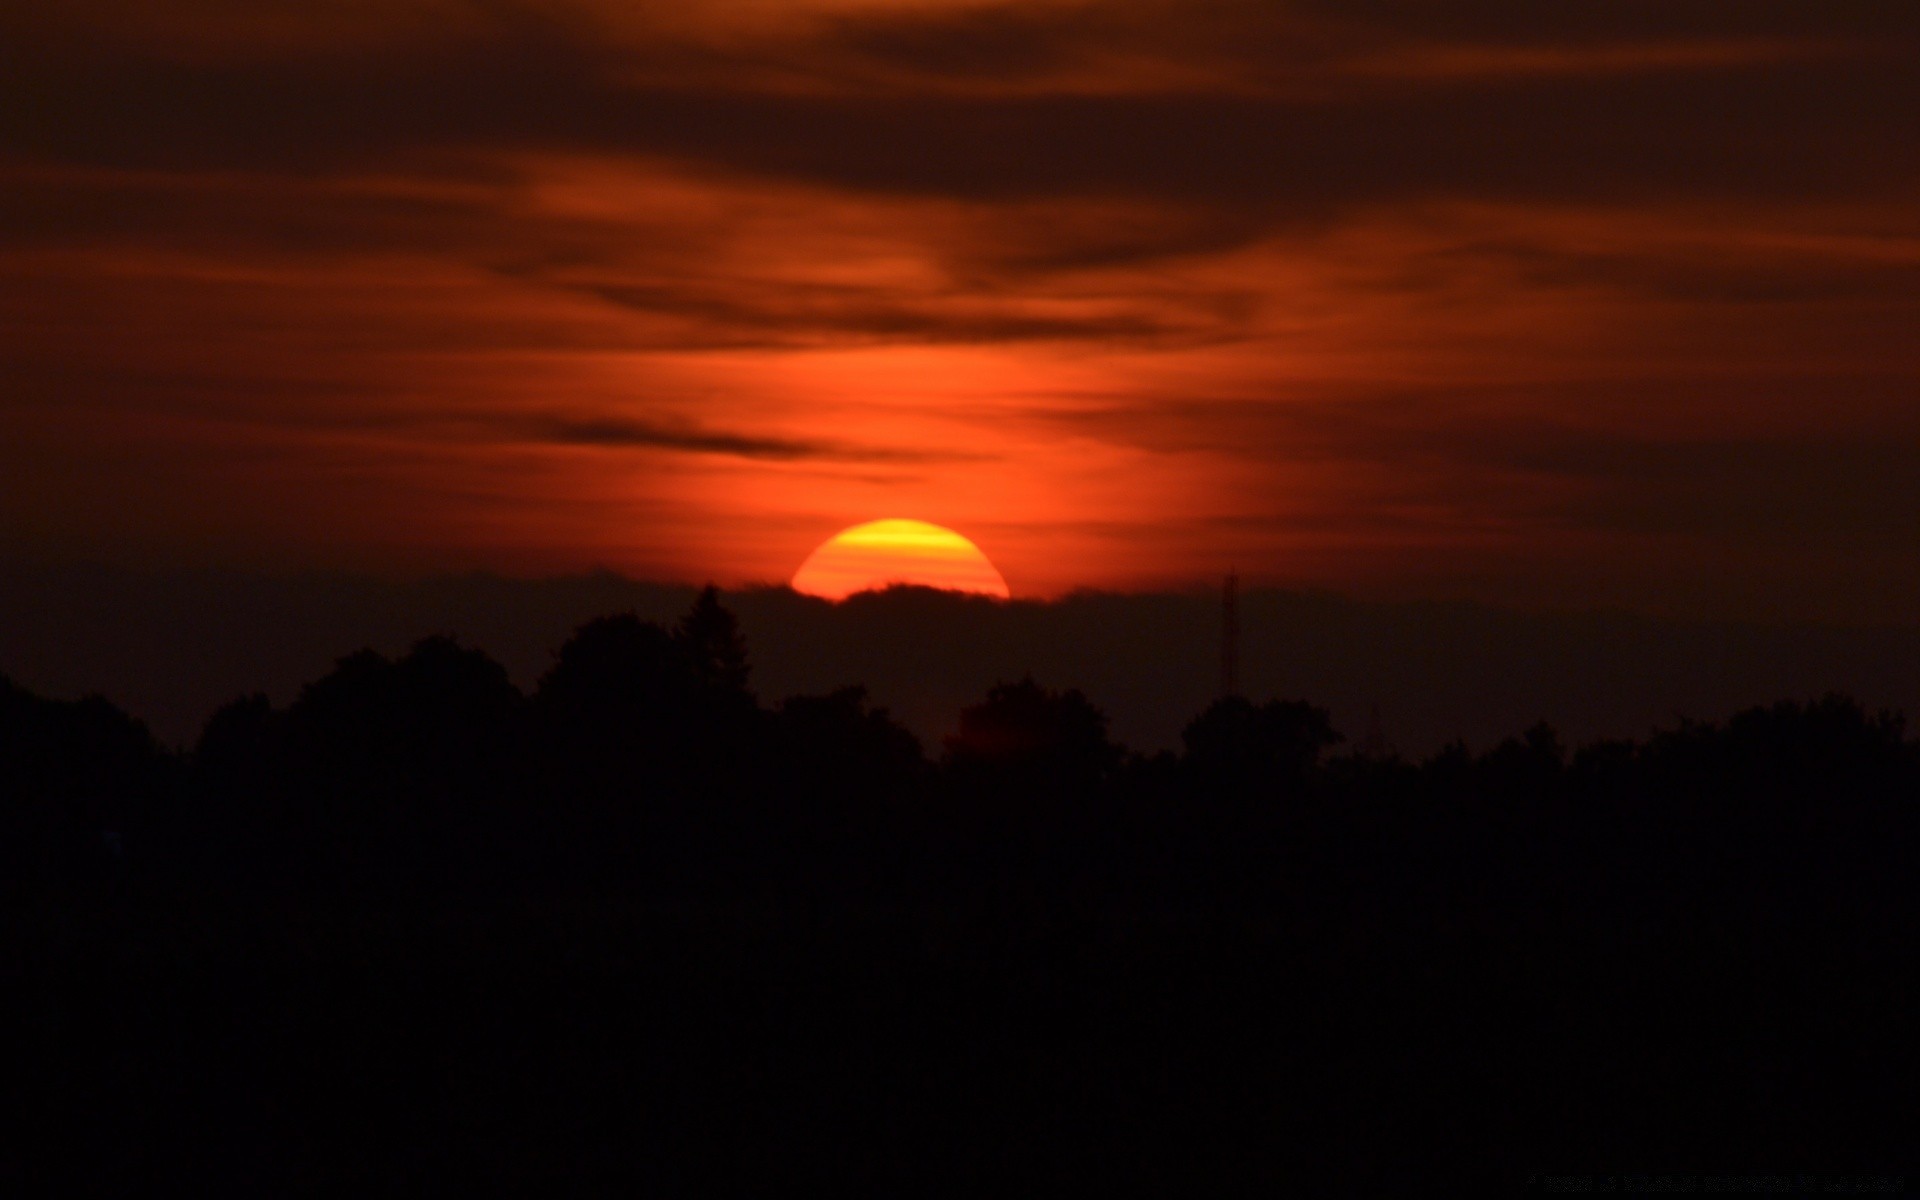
(712, 634)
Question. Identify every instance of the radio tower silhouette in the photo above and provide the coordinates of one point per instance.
(1230, 637)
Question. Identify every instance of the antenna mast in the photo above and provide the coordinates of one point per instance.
(1230, 636)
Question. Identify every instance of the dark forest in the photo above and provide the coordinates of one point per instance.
(642, 927)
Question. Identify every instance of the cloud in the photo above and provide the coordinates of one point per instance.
(1350, 292)
(800, 314)
(620, 433)
(1721, 117)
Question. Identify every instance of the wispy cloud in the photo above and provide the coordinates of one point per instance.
(618, 433)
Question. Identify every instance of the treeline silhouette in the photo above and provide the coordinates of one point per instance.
(419, 929)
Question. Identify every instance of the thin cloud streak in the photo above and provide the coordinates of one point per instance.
(623, 434)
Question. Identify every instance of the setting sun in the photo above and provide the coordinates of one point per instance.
(879, 554)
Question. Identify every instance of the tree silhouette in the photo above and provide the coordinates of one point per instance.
(621, 669)
(1528, 766)
(1039, 737)
(415, 899)
(1241, 748)
(651, 746)
(711, 634)
(75, 778)
(840, 744)
(387, 769)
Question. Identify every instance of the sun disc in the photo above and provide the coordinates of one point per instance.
(880, 554)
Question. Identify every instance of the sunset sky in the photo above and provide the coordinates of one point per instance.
(1541, 304)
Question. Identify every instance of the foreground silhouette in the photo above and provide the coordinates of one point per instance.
(640, 928)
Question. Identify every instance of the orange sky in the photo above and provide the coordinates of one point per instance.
(1543, 307)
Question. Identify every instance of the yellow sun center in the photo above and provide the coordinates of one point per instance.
(882, 553)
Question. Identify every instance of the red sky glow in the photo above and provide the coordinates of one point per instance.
(1551, 307)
